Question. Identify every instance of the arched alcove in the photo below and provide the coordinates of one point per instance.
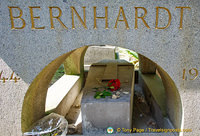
(34, 100)
(173, 100)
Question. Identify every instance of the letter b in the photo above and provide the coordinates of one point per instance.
(18, 17)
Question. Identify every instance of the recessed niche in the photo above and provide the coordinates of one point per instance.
(59, 88)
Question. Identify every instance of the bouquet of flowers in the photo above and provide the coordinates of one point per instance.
(113, 85)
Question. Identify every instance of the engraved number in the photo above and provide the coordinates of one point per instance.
(192, 73)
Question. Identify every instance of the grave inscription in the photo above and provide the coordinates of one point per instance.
(193, 73)
(83, 21)
(11, 78)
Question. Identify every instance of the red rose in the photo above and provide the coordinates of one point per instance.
(114, 84)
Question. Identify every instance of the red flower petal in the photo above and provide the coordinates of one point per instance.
(115, 83)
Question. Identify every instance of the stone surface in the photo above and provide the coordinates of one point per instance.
(68, 100)
(97, 121)
(74, 64)
(28, 52)
(95, 54)
(33, 107)
(153, 87)
(11, 100)
(98, 114)
(146, 65)
(64, 85)
(74, 114)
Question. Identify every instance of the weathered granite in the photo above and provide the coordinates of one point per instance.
(11, 100)
(28, 51)
(95, 54)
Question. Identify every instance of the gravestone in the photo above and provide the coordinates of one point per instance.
(99, 114)
(37, 36)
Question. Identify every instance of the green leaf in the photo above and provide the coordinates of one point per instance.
(97, 94)
(107, 93)
(103, 96)
(134, 54)
(98, 97)
(112, 87)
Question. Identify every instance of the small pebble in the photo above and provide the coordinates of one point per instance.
(115, 96)
(126, 92)
(117, 93)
